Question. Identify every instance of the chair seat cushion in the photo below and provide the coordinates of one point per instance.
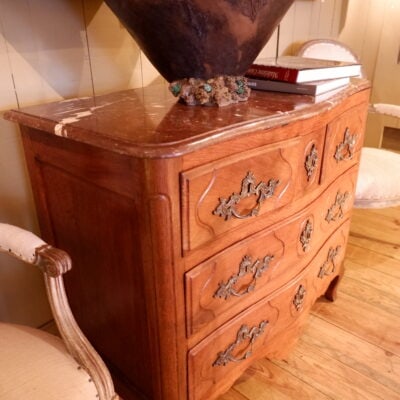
(35, 365)
(378, 183)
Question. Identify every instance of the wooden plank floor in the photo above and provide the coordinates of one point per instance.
(350, 349)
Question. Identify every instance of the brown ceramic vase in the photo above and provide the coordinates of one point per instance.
(201, 42)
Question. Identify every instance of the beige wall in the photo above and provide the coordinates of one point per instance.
(372, 30)
(51, 50)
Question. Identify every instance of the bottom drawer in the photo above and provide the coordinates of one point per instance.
(268, 328)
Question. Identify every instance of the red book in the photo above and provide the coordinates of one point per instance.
(300, 69)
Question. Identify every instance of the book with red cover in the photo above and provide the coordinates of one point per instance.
(300, 69)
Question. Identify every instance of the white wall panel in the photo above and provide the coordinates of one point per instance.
(7, 93)
(22, 295)
(286, 31)
(305, 20)
(114, 55)
(46, 49)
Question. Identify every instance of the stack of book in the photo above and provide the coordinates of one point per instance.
(309, 76)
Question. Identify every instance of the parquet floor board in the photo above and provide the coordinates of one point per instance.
(362, 258)
(363, 320)
(266, 380)
(349, 349)
(377, 230)
(368, 359)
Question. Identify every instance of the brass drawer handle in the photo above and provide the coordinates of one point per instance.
(336, 212)
(345, 150)
(311, 162)
(246, 267)
(244, 333)
(299, 297)
(263, 191)
(329, 266)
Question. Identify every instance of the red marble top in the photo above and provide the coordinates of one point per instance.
(150, 122)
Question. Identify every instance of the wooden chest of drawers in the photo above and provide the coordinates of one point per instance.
(200, 237)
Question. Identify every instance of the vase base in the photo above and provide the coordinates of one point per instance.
(219, 91)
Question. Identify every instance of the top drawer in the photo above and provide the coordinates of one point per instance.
(344, 140)
(227, 194)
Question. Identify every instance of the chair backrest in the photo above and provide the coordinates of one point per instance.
(328, 49)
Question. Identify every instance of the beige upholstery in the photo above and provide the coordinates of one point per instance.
(386, 109)
(379, 179)
(35, 365)
(378, 183)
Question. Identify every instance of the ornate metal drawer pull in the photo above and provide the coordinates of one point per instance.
(335, 212)
(311, 162)
(244, 333)
(246, 267)
(306, 233)
(227, 207)
(329, 266)
(299, 297)
(345, 150)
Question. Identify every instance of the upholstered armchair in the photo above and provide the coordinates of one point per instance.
(378, 182)
(35, 365)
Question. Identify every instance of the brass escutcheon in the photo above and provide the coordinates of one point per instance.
(311, 162)
(299, 297)
(329, 266)
(244, 333)
(306, 233)
(227, 207)
(345, 149)
(246, 267)
(335, 211)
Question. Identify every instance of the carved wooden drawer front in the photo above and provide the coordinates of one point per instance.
(343, 142)
(221, 357)
(222, 286)
(227, 283)
(221, 196)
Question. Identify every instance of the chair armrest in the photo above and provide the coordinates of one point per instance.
(29, 248)
(19, 243)
(54, 262)
(386, 109)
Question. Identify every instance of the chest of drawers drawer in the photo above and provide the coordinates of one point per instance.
(221, 197)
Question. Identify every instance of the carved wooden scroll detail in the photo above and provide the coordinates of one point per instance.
(345, 149)
(246, 267)
(244, 334)
(227, 207)
(329, 265)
